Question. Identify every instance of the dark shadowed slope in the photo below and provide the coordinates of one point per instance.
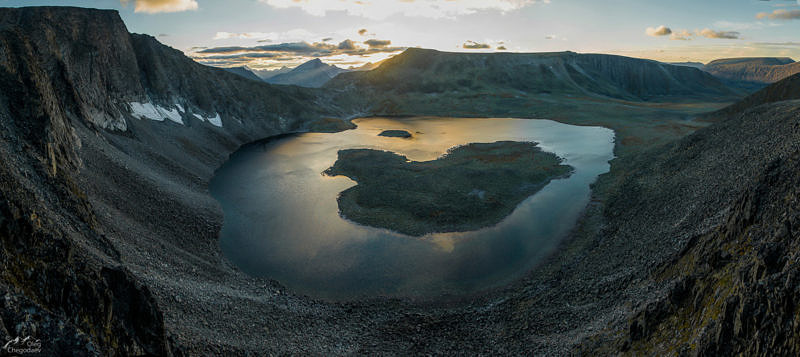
(557, 74)
(787, 89)
(92, 197)
(244, 72)
(697, 65)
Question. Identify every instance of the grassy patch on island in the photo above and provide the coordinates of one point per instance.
(470, 187)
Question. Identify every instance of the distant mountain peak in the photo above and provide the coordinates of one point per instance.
(313, 73)
(314, 63)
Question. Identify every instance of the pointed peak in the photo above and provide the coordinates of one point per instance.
(314, 63)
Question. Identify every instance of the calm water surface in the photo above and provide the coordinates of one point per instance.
(282, 220)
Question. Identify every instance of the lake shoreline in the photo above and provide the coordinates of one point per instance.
(471, 187)
(288, 175)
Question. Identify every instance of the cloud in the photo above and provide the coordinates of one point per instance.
(709, 33)
(683, 35)
(347, 45)
(382, 9)
(293, 51)
(501, 48)
(326, 39)
(242, 35)
(373, 43)
(294, 35)
(658, 31)
(472, 45)
(157, 6)
(780, 14)
(550, 37)
(686, 35)
(362, 32)
(294, 47)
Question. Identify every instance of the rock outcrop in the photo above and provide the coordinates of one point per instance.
(717, 211)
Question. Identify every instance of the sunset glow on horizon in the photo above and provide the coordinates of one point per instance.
(269, 34)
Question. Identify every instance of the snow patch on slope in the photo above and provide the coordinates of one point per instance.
(154, 112)
(173, 114)
(145, 110)
(216, 120)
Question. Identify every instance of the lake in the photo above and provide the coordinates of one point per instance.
(282, 220)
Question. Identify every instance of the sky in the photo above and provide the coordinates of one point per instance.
(269, 34)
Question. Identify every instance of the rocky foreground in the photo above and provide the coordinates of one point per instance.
(108, 237)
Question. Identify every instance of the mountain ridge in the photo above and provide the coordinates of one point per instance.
(556, 73)
(753, 72)
(245, 72)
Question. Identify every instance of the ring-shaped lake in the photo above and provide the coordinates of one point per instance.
(282, 219)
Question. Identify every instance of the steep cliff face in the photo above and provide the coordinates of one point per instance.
(72, 47)
(50, 249)
(562, 74)
(80, 98)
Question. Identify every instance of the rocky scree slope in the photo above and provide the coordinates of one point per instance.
(786, 89)
(712, 222)
(70, 141)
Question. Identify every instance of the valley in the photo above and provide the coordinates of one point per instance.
(659, 216)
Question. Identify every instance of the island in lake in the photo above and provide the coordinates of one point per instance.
(395, 134)
(470, 187)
